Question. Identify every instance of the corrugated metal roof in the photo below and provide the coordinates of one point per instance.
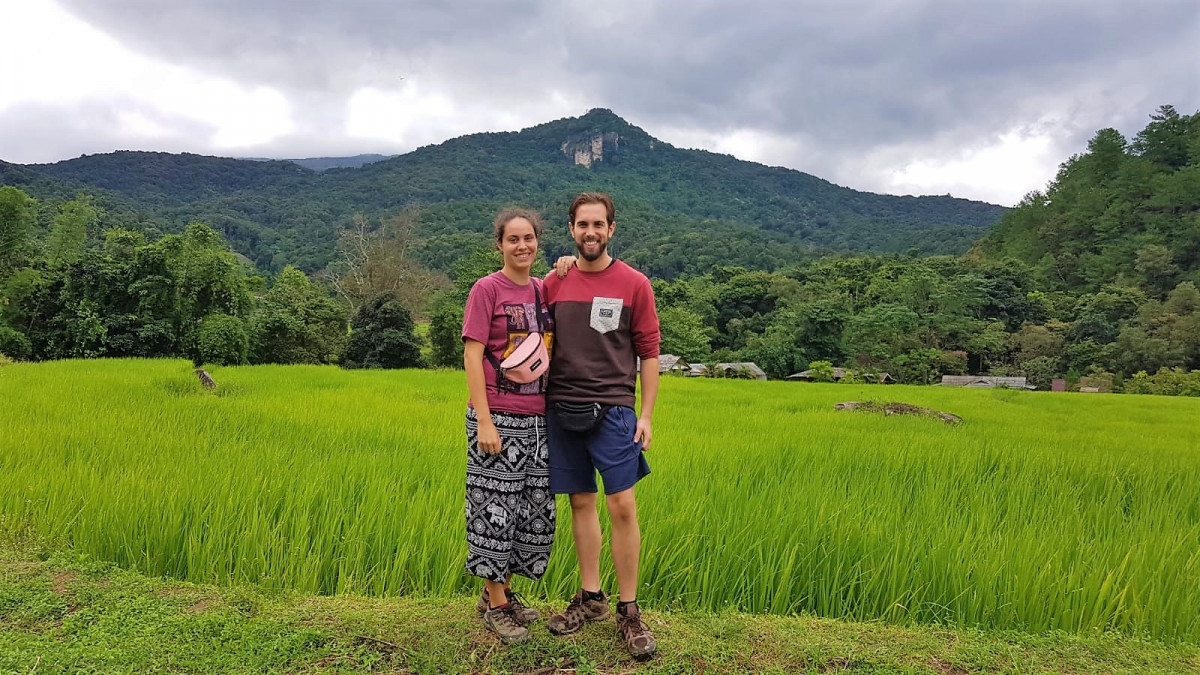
(752, 367)
(983, 381)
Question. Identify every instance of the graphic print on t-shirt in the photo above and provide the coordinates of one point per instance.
(520, 317)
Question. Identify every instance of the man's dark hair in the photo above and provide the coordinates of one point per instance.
(593, 198)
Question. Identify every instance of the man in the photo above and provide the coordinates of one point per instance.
(605, 320)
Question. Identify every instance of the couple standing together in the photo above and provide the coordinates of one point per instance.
(532, 434)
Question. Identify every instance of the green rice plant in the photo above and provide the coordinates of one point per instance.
(1041, 511)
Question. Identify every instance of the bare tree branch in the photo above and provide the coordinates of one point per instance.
(383, 260)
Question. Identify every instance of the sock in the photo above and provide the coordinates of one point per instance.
(504, 606)
(593, 595)
(623, 607)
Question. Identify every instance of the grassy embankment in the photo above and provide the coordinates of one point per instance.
(68, 614)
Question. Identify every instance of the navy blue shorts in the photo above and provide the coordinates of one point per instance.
(608, 448)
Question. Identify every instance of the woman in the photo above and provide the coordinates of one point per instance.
(510, 509)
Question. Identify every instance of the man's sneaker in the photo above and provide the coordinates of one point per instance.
(636, 633)
(520, 612)
(581, 610)
(501, 622)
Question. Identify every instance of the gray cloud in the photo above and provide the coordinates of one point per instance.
(842, 80)
(92, 127)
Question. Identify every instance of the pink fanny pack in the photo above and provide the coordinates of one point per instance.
(530, 360)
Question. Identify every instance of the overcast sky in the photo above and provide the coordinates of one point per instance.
(980, 99)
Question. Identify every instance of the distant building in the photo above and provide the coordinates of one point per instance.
(753, 369)
(839, 373)
(985, 382)
(669, 364)
(697, 370)
(1059, 384)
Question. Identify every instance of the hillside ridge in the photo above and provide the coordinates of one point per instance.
(278, 212)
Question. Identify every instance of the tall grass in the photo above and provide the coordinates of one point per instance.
(1041, 511)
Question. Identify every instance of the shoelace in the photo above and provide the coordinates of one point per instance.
(505, 620)
(632, 623)
(515, 598)
(577, 601)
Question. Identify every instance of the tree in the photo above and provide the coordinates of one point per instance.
(1156, 264)
(445, 332)
(1139, 384)
(1040, 371)
(222, 340)
(377, 260)
(819, 327)
(297, 322)
(122, 244)
(820, 371)
(381, 336)
(1034, 341)
(1165, 139)
(1106, 155)
(13, 343)
(745, 300)
(18, 214)
(775, 350)
(918, 366)
(70, 230)
(881, 331)
(204, 278)
(473, 266)
(683, 334)
(989, 345)
(1099, 316)
(16, 294)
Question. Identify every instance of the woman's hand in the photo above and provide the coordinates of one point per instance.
(564, 265)
(489, 438)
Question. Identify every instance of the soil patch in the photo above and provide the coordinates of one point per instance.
(895, 408)
(198, 607)
(61, 581)
(948, 668)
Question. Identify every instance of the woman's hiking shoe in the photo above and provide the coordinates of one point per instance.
(582, 609)
(522, 614)
(501, 622)
(635, 632)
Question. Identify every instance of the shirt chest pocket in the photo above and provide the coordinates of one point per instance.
(606, 314)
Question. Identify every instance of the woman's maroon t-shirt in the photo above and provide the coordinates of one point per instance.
(500, 314)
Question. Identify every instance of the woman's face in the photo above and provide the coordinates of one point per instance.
(519, 244)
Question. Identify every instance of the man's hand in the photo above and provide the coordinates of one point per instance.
(643, 432)
(489, 438)
(564, 265)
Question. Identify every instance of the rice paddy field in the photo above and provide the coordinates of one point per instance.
(1041, 511)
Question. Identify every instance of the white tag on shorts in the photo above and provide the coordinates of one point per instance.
(606, 314)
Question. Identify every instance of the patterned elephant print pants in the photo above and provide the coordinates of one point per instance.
(510, 509)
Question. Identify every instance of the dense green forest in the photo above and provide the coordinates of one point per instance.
(684, 210)
(1096, 277)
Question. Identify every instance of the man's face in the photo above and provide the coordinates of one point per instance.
(591, 230)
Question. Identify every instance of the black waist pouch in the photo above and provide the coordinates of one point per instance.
(579, 417)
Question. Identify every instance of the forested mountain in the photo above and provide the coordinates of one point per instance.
(681, 211)
(1096, 277)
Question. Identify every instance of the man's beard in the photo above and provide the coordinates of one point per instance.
(600, 251)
